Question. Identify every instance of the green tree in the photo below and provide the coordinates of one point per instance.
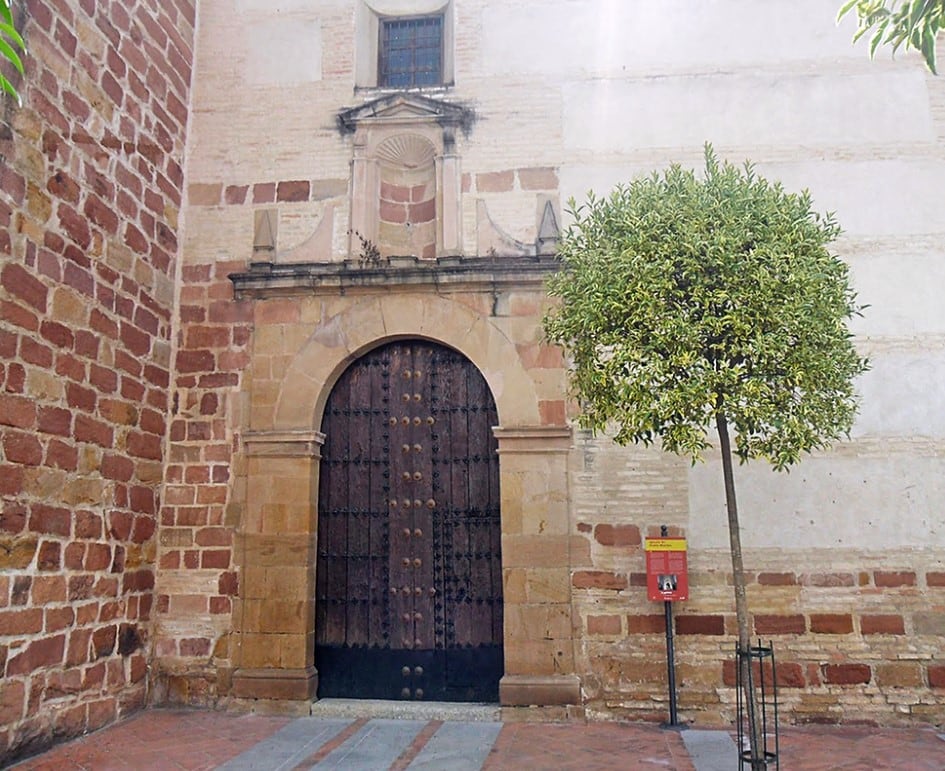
(10, 43)
(899, 23)
(690, 302)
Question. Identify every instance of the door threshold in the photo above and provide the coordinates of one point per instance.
(407, 710)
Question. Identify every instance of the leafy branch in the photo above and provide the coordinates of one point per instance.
(11, 46)
(910, 24)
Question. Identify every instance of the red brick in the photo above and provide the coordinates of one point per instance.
(935, 578)
(882, 624)
(422, 212)
(22, 448)
(198, 646)
(936, 674)
(34, 352)
(598, 579)
(55, 420)
(776, 624)
(195, 361)
(120, 524)
(235, 194)
(58, 619)
(228, 584)
(12, 704)
(49, 556)
(74, 556)
(617, 535)
(831, 623)
(45, 652)
(117, 467)
(143, 445)
(700, 624)
(213, 536)
(220, 605)
(789, 675)
(495, 181)
(296, 190)
(539, 178)
(98, 556)
(93, 431)
(17, 411)
(21, 622)
(78, 652)
(604, 625)
(74, 225)
(890, 578)
(81, 398)
(62, 455)
(648, 624)
(215, 558)
(264, 192)
(12, 515)
(22, 284)
(846, 674)
(552, 412)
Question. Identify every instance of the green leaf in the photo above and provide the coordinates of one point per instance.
(9, 30)
(845, 8)
(11, 55)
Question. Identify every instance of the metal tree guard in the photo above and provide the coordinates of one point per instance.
(763, 685)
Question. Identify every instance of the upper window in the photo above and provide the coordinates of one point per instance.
(411, 52)
(401, 50)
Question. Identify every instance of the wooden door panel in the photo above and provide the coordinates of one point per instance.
(408, 585)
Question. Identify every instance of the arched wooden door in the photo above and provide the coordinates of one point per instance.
(408, 576)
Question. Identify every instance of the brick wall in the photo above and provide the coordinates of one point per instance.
(91, 171)
(197, 571)
(856, 634)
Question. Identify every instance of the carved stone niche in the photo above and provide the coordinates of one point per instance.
(406, 181)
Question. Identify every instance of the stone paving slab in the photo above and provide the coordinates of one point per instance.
(375, 747)
(457, 747)
(289, 746)
(709, 750)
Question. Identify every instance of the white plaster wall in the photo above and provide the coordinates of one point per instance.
(605, 90)
(745, 108)
(876, 502)
(613, 36)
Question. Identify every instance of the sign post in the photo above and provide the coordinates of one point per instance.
(667, 579)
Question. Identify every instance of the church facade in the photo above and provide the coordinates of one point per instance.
(300, 436)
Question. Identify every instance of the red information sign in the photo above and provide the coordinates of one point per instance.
(666, 573)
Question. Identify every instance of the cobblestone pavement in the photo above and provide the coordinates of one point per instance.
(191, 739)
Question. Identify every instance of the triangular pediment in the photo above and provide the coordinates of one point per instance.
(406, 108)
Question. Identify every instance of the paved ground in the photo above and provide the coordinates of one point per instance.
(187, 739)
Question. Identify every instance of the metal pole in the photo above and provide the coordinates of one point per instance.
(670, 653)
(670, 663)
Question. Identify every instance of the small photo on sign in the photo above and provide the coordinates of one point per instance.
(667, 583)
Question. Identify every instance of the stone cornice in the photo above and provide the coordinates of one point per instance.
(533, 439)
(284, 444)
(267, 279)
(406, 107)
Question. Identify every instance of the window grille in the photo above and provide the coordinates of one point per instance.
(411, 52)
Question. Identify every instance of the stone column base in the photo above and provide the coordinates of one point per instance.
(283, 684)
(539, 690)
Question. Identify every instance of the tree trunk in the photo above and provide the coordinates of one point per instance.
(758, 762)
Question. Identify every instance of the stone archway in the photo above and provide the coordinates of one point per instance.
(491, 314)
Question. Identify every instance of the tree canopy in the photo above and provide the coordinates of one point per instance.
(899, 23)
(11, 45)
(689, 301)
(686, 297)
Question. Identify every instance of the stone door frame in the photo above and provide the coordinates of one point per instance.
(306, 334)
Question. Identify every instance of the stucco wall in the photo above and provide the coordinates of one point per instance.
(567, 97)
